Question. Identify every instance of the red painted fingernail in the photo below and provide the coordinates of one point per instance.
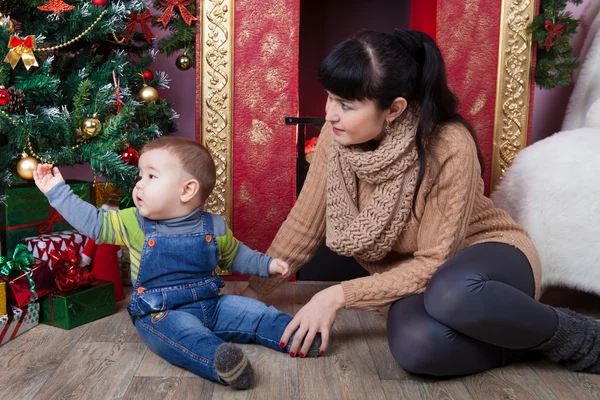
(321, 352)
(301, 355)
(292, 354)
(281, 345)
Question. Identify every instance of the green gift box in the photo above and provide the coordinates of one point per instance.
(28, 213)
(72, 309)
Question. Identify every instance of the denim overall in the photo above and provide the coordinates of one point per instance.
(176, 307)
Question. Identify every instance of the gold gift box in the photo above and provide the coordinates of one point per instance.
(2, 298)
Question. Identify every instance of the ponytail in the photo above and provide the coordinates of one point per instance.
(438, 104)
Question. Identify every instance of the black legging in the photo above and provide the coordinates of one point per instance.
(477, 304)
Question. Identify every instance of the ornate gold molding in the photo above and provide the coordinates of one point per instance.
(215, 66)
(513, 88)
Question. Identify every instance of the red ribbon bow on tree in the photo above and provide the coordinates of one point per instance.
(68, 275)
(21, 49)
(143, 19)
(553, 30)
(171, 4)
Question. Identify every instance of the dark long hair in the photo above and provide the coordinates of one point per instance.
(381, 67)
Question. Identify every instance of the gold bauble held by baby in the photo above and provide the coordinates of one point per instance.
(91, 127)
(26, 166)
(148, 94)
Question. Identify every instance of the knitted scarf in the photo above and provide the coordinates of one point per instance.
(393, 167)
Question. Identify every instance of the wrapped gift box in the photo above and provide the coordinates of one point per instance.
(20, 320)
(27, 213)
(40, 246)
(18, 287)
(72, 309)
(2, 297)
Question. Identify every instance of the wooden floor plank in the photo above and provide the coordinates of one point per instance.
(347, 370)
(94, 371)
(375, 327)
(168, 388)
(424, 389)
(517, 381)
(565, 384)
(153, 365)
(116, 328)
(28, 361)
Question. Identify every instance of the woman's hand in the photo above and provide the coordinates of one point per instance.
(317, 315)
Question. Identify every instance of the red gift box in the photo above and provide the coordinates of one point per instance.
(18, 287)
(41, 246)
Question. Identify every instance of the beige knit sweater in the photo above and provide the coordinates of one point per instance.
(451, 213)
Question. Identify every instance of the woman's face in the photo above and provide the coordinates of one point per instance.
(355, 122)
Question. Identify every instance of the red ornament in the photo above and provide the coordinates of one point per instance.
(56, 7)
(130, 156)
(99, 3)
(4, 97)
(148, 75)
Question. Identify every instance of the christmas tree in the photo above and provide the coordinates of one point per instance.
(77, 88)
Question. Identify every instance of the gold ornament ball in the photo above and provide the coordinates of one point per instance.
(26, 166)
(148, 94)
(183, 62)
(91, 127)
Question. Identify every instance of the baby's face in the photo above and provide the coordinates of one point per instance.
(160, 182)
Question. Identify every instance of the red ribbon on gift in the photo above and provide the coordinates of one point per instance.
(143, 19)
(68, 275)
(44, 226)
(168, 13)
(553, 30)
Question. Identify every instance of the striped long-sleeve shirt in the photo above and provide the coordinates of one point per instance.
(123, 227)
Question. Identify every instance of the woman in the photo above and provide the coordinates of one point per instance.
(396, 183)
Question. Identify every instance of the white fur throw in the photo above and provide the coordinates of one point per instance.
(553, 190)
(583, 110)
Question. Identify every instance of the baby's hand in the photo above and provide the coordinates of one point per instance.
(46, 177)
(279, 267)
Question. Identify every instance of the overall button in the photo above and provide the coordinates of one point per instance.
(151, 242)
(208, 238)
(140, 290)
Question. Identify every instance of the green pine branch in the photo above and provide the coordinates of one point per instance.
(556, 64)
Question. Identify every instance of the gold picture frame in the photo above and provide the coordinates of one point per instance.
(214, 60)
(514, 85)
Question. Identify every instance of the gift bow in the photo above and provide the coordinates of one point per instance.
(21, 49)
(553, 30)
(143, 19)
(46, 226)
(171, 4)
(67, 274)
(21, 260)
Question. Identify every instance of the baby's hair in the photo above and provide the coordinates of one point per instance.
(194, 158)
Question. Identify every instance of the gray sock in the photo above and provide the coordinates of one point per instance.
(233, 366)
(315, 347)
(576, 342)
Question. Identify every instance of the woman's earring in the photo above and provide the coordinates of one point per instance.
(388, 129)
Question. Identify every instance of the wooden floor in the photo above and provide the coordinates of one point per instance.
(107, 360)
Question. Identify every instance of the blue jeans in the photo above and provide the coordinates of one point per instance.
(189, 335)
